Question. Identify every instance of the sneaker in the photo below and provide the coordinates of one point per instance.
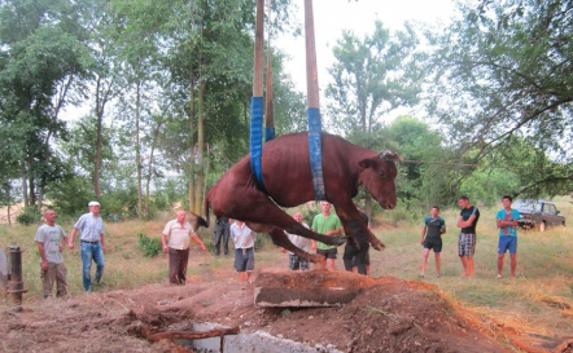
(499, 276)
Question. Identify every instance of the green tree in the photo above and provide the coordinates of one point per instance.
(504, 69)
(42, 60)
(372, 76)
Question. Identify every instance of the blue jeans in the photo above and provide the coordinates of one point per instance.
(88, 252)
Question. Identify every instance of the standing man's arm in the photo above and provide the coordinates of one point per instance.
(64, 240)
(336, 231)
(165, 237)
(73, 234)
(424, 229)
(313, 227)
(198, 240)
(42, 251)
(503, 223)
(102, 242)
(164, 243)
(468, 223)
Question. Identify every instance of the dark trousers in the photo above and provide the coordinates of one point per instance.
(221, 239)
(178, 265)
(353, 256)
(56, 273)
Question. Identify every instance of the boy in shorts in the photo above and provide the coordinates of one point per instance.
(244, 240)
(507, 221)
(329, 224)
(434, 227)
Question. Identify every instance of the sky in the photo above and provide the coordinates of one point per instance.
(332, 17)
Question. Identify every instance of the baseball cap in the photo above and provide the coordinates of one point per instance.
(93, 203)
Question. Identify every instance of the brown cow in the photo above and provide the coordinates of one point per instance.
(287, 179)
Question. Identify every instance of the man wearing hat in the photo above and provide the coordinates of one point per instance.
(92, 245)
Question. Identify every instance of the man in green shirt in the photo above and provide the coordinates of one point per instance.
(329, 224)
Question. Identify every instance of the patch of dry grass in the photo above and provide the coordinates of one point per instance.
(541, 297)
(539, 300)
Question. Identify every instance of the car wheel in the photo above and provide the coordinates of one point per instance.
(542, 226)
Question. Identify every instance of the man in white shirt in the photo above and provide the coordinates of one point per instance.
(244, 240)
(295, 262)
(175, 239)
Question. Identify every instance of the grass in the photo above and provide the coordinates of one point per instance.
(537, 300)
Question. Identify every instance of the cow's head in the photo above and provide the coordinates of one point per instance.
(377, 174)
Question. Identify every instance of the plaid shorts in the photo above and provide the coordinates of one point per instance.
(467, 244)
(296, 262)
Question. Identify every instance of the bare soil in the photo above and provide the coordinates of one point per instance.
(387, 315)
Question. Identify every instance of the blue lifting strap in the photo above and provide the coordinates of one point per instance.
(256, 140)
(269, 133)
(315, 153)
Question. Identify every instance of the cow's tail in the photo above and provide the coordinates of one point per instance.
(205, 222)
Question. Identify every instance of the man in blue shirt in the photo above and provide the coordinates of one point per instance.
(507, 222)
(92, 245)
(434, 227)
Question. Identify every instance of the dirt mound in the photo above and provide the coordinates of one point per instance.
(387, 315)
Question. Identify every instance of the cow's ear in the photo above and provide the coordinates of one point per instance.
(366, 163)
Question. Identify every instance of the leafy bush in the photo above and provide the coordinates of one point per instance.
(30, 215)
(309, 212)
(399, 215)
(151, 247)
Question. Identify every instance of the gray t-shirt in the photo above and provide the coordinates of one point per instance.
(90, 227)
(51, 237)
(243, 237)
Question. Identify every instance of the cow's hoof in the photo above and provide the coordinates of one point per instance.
(338, 240)
(317, 259)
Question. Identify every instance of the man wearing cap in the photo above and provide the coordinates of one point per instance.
(175, 239)
(92, 245)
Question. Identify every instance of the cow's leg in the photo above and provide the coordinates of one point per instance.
(256, 207)
(280, 239)
(356, 224)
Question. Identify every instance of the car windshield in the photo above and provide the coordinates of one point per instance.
(527, 205)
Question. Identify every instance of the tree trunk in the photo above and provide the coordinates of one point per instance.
(8, 209)
(191, 186)
(31, 184)
(200, 180)
(103, 94)
(138, 163)
(25, 188)
(150, 167)
(99, 141)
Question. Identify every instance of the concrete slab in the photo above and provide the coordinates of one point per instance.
(307, 289)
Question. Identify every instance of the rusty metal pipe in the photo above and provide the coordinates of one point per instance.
(16, 283)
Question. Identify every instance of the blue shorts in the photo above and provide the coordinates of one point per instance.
(245, 260)
(507, 242)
